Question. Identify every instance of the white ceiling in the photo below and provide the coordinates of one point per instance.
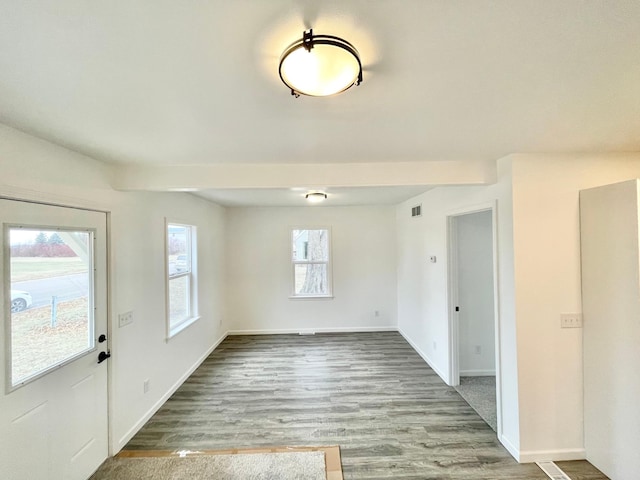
(162, 82)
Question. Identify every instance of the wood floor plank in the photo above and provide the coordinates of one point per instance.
(370, 393)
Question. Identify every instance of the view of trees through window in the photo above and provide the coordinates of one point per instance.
(311, 262)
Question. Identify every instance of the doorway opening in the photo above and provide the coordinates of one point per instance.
(474, 362)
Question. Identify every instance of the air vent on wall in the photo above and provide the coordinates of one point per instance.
(416, 211)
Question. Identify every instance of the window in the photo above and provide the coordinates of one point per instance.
(52, 295)
(311, 262)
(181, 249)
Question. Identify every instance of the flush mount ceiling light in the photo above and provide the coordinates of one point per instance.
(320, 65)
(316, 197)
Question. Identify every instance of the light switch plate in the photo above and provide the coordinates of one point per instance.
(125, 319)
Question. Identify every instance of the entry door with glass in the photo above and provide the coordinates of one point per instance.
(53, 404)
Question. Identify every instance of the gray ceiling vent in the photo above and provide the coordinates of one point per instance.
(416, 211)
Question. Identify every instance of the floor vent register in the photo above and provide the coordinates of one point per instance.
(553, 471)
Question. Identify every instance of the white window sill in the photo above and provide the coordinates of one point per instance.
(310, 297)
(182, 326)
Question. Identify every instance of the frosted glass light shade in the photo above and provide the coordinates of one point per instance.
(320, 65)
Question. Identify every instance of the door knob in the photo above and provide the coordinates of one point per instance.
(102, 356)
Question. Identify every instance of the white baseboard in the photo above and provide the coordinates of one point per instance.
(425, 357)
(477, 373)
(531, 456)
(311, 331)
(156, 406)
(552, 455)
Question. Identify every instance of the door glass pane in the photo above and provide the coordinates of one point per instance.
(51, 291)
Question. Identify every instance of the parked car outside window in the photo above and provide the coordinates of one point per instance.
(20, 300)
(181, 263)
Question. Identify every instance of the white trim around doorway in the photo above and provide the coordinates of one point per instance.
(453, 379)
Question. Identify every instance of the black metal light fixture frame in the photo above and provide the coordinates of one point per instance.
(308, 41)
(316, 195)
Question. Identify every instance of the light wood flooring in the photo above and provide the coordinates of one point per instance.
(369, 393)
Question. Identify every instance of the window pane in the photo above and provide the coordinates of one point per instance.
(179, 300)
(51, 299)
(311, 279)
(179, 249)
(311, 245)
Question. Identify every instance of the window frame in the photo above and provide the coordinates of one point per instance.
(328, 263)
(173, 328)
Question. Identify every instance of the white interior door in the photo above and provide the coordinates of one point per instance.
(53, 404)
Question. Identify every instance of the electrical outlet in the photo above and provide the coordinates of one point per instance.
(125, 319)
(376, 313)
(477, 350)
(145, 386)
(570, 320)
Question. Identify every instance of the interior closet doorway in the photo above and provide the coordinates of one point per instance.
(472, 290)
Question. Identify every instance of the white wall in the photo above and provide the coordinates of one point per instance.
(260, 276)
(476, 332)
(539, 278)
(547, 282)
(422, 286)
(140, 350)
(38, 170)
